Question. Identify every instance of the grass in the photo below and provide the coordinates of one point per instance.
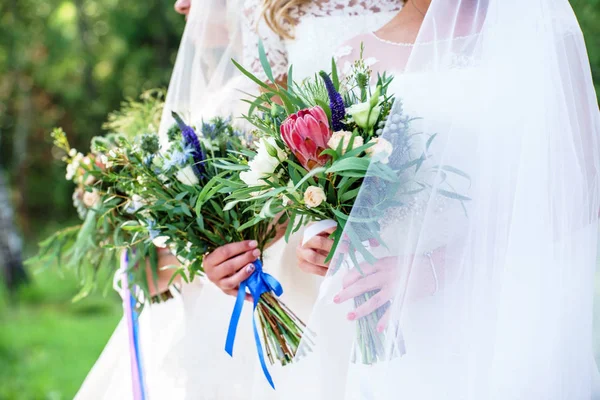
(48, 343)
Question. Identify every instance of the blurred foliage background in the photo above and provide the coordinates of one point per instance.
(69, 63)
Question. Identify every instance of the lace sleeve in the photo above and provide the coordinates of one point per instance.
(255, 30)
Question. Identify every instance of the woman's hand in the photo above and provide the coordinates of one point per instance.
(383, 277)
(311, 256)
(230, 265)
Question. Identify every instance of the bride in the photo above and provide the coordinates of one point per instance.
(183, 338)
(489, 294)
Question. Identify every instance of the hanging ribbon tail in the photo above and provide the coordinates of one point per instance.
(235, 318)
(261, 356)
(129, 302)
(257, 284)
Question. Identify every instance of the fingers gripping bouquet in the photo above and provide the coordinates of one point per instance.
(316, 149)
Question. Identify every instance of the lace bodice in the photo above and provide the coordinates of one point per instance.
(319, 28)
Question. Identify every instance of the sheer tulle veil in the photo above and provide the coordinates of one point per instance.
(492, 261)
(205, 82)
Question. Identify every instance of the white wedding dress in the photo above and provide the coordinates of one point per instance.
(183, 339)
(434, 327)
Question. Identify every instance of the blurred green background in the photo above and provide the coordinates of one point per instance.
(69, 63)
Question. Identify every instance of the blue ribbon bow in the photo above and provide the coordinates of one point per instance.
(258, 283)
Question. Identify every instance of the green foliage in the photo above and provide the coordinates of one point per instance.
(68, 63)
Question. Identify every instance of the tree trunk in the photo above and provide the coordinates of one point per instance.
(10, 243)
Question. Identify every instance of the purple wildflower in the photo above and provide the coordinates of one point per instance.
(191, 139)
(336, 103)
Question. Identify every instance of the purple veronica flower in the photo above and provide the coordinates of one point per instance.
(191, 139)
(336, 103)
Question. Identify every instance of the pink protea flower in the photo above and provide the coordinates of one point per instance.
(306, 133)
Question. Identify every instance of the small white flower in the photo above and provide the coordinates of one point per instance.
(344, 137)
(263, 164)
(70, 172)
(381, 150)
(90, 199)
(314, 196)
(187, 176)
(72, 152)
(160, 241)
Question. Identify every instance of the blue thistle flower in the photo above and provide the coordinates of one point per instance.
(178, 157)
(336, 103)
(191, 139)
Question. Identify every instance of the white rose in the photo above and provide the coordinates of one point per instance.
(90, 199)
(187, 176)
(314, 196)
(381, 150)
(263, 164)
(344, 137)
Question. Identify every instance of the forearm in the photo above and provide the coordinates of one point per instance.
(161, 285)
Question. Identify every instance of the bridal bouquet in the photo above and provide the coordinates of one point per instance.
(319, 140)
(181, 193)
(104, 208)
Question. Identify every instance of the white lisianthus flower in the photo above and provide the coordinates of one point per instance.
(187, 176)
(344, 137)
(381, 150)
(314, 196)
(268, 157)
(364, 115)
(250, 177)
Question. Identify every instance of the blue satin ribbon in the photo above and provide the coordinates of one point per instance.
(258, 283)
(136, 340)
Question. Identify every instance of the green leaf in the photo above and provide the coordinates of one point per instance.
(349, 195)
(452, 195)
(350, 164)
(262, 55)
(430, 140)
(252, 77)
(453, 170)
(334, 75)
(181, 196)
(290, 79)
(312, 173)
